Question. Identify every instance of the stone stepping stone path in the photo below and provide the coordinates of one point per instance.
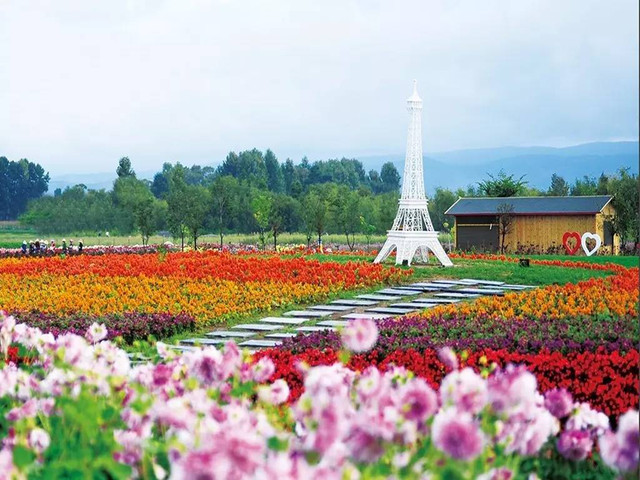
(372, 316)
(204, 341)
(411, 290)
(429, 286)
(272, 331)
(313, 329)
(333, 323)
(230, 334)
(260, 327)
(436, 300)
(354, 302)
(285, 320)
(379, 298)
(182, 348)
(307, 313)
(391, 310)
(397, 291)
(281, 335)
(456, 295)
(411, 305)
(482, 291)
(260, 343)
(332, 308)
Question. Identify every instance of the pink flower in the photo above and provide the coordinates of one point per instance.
(456, 434)
(559, 402)
(501, 473)
(7, 469)
(96, 332)
(263, 369)
(276, 393)
(575, 444)
(448, 357)
(464, 389)
(39, 440)
(512, 389)
(586, 418)
(418, 401)
(360, 335)
(622, 449)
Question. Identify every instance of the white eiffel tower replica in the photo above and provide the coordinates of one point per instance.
(412, 231)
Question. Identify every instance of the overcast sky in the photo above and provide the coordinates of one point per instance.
(83, 83)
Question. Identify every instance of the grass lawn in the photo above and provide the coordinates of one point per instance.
(12, 237)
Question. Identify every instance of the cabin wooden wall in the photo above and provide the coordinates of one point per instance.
(545, 231)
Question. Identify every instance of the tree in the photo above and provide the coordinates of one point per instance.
(584, 186)
(390, 178)
(624, 187)
(505, 223)
(261, 208)
(124, 168)
(288, 175)
(347, 212)
(177, 204)
(315, 213)
(559, 186)
(502, 186)
(20, 182)
(198, 203)
(440, 203)
(275, 178)
(133, 196)
(223, 191)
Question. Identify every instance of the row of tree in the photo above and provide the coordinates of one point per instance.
(20, 182)
(252, 192)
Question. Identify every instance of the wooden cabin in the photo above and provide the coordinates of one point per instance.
(538, 223)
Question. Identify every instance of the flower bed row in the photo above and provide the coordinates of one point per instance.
(85, 413)
(208, 286)
(608, 381)
(128, 326)
(611, 296)
(463, 332)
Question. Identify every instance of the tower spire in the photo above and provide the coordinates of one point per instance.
(412, 229)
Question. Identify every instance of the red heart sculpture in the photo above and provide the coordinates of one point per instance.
(567, 247)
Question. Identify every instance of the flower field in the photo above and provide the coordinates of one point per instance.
(583, 337)
(82, 411)
(208, 286)
(536, 384)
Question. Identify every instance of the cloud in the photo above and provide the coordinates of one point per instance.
(85, 83)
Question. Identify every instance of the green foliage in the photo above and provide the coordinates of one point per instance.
(20, 182)
(502, 186)
(261, 208)
(124, 168)
(440, 203)
(559, 186)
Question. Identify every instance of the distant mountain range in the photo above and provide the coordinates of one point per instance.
(460, 168)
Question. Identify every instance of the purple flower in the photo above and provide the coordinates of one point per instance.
(559, 402)
(418, 401)
(448, 357)
(456, 434)
(39, 440)
(622, 449)
(464, 389)
(575, 444)
(360, 335)
(501, 473)
(96, 332)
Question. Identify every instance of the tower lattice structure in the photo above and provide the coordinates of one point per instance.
(412, 231)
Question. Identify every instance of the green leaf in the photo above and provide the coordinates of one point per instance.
(22, 456)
